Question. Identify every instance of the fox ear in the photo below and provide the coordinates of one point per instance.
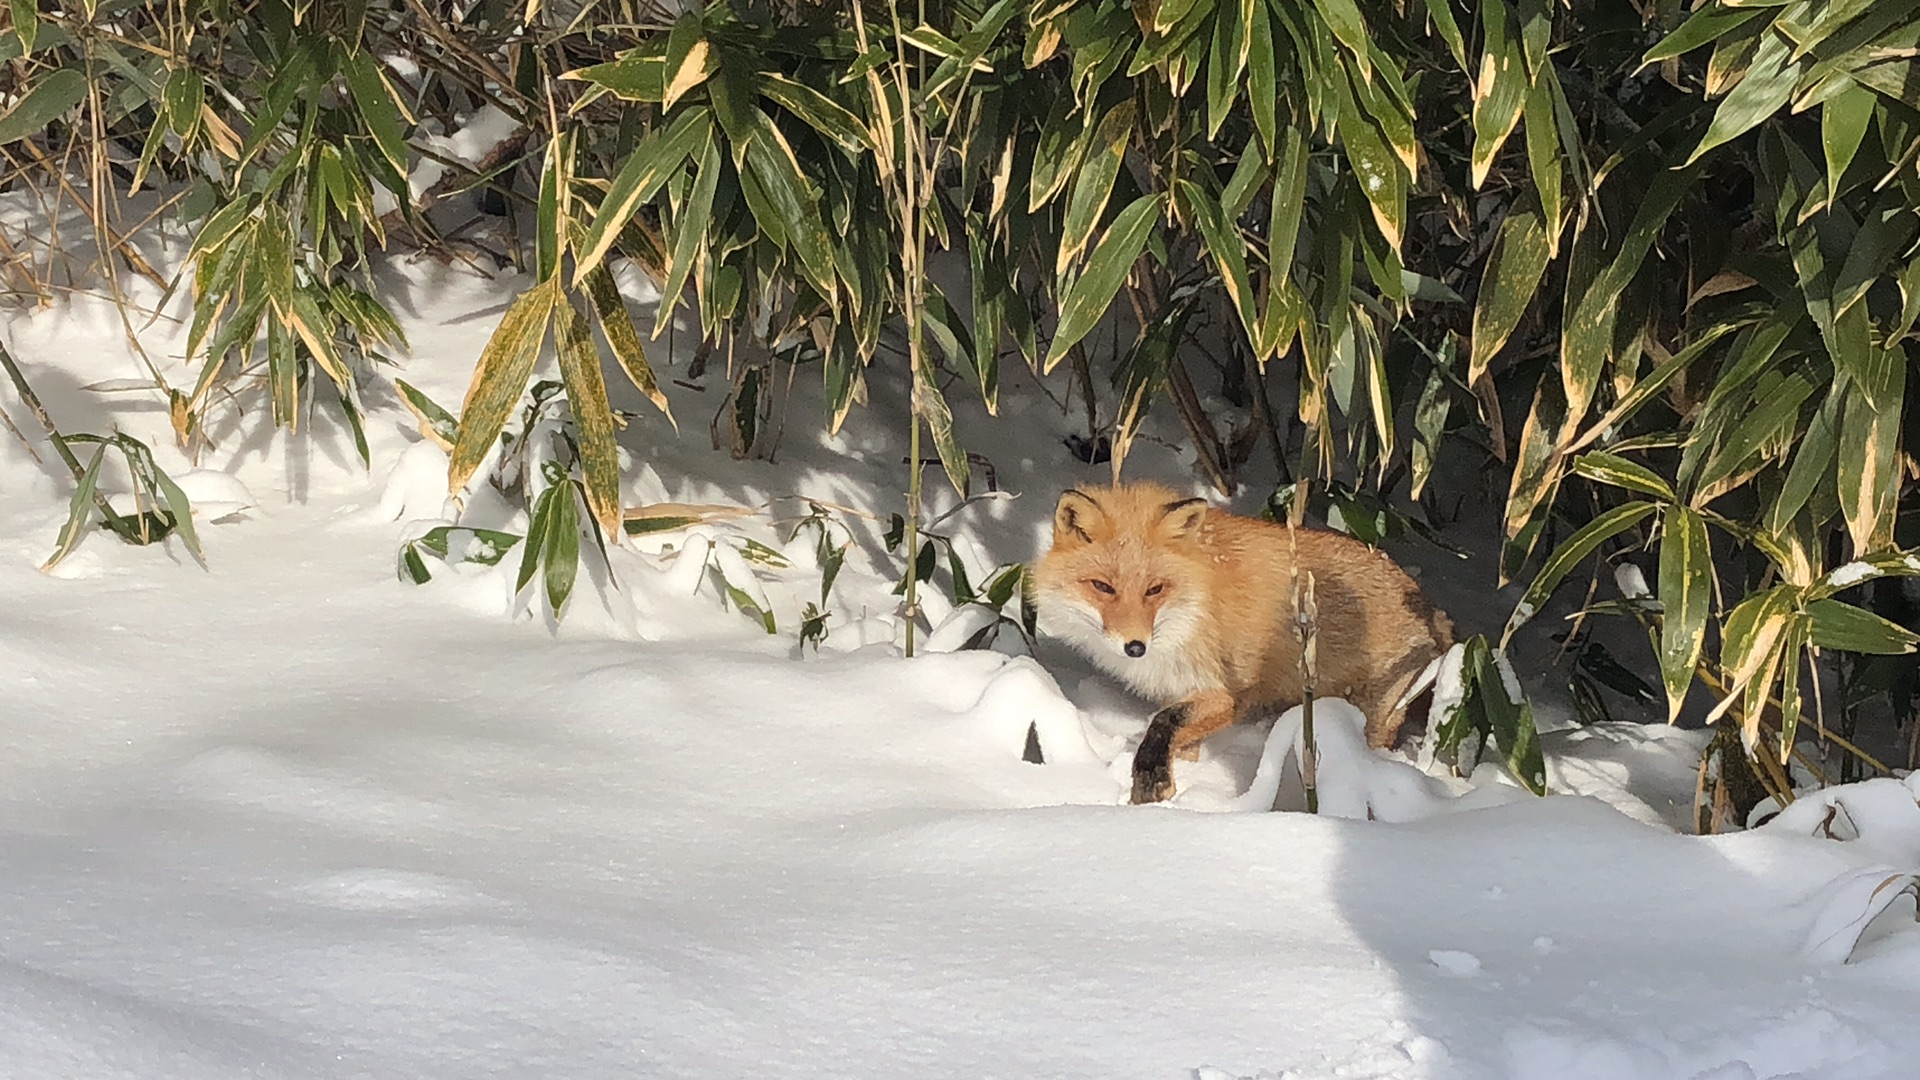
(1181, 520)
(1076, 519)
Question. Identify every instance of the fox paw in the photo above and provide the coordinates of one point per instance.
(1152, 785)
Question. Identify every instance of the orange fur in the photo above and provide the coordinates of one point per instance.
(1205, 600)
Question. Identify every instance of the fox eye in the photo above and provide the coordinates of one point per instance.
(1102, 587)
(1156, 589)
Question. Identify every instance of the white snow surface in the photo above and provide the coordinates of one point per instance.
(286, 816)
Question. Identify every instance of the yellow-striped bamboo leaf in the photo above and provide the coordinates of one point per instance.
(499, 378)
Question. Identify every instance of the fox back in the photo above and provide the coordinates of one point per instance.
(1178, 599)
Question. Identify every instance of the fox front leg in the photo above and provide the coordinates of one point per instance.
(1175, 729)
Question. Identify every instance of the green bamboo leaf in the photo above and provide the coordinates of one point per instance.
(1762, 92)
(1651, 384)
(1064, 140)
(950, 333)
(1708, 23)
(1508, 283)
(1381, 175)
(1872, 567)
(1750, 641)
(592, 416)
(50, 97)
(436, 423)
(179, 509)
(539, 524)
(183, 96)
(617, 325)
(1766, 425)
(1509, 717)
(816, 110)
(1570, 554)
(689, 60)
(658, 157)
(1812, 464)
(79, 510)
(1619, 472)
(1686, 593)
(1107, 268)
(1348, 25)
(500, 378)
(931, 405)
(1870, 471)
(990, 291)
(1837, 625)
(1544, 153)
(634, 76)
(377, 106)
(1587, 335)
(1093, 183)
(1441, 12)
(1262, 76)
(1430, 424)
(1144, 372)
(689, 235)
(1223, 243)
(1499, 89)
(770, 161)
(562, 563)
(1289, 200)
(549, 237)
(1226, 59)
(1843, 124)
(283, 375)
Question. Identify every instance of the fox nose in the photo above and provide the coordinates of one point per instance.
(1136, 649)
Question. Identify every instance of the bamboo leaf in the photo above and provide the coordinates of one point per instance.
(1763, 91)
(771, 161)
(1750, 640)
(436, 423)
(1499, 89)
(634, 76)
(592, 415)
(1441, 12)
(499, 379)
(562, 563)
(1812, 464)
(1837, 625)
(1093, 183)
(79, 510)
(689, 60)
(1618, 471)
(816, 110)
(1508, 283)
(640, 177)
(1224, 244)
(1569, 555)
(1509, 717)
(618, 327)
(689, 234)
(50, 97)
(1686, 592)
(377, 106)
(1707, 24)
(1843, 124)
(1869, 454)
(1107, 268)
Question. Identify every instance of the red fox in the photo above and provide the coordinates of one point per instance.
(1192, 607)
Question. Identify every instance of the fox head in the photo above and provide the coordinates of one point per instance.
(1122, 581)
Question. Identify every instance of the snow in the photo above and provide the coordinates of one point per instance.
(1851, 574)
(287, 816)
